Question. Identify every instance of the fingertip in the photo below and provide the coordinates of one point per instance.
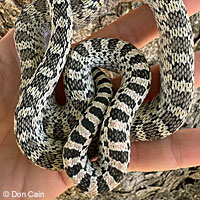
(197, 70)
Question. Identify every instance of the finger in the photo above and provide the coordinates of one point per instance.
(8, 53)
(138, 26)
(197, 69)
(9, 81)
(180, 150)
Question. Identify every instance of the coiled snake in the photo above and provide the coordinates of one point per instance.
(57, 137)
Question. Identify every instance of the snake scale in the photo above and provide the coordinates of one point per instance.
(57, 137)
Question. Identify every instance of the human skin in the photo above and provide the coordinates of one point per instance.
(180, 150)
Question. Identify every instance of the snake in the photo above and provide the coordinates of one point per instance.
(58, 137)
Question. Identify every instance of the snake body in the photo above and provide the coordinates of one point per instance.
(57, 137)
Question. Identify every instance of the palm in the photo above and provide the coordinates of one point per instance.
(18, 174)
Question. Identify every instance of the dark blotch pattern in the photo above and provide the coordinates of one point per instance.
(88, 125)
(115, 135)
(118, 114)
(140, 89)
(180, 72)
(121, 156)
(102, 100)
(126, 48)
(103, 80)
(142, 73)
(105, 90)
(116, 173)
(102, 185)
(76, 137)
(181, 99)
(127, 100)
(137, 59)
(71, 153)
(84, 183)
(81, 49)
(71, 171)
(112, 44)
(96, 44)
(96, 112)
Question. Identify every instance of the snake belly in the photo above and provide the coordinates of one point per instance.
(47, 138)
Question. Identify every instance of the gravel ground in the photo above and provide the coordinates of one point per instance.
(175, 184)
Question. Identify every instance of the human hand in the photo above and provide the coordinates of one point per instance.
(18, 174)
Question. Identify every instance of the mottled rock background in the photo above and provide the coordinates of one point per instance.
(177, 184)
